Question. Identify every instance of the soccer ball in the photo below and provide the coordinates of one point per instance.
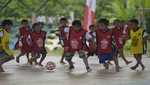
(50, 65)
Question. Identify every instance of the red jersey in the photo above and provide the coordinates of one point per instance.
(76, 39)
(25, 43)
(38, 40)
(126, 31)
(118, 36)
(104, 41)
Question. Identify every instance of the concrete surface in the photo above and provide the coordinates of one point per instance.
(24, 74)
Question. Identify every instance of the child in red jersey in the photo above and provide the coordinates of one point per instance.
(22, 34)
(105, 42)
(77, 37)
(63, 37)
(37, 39)
(92, 50)
(119, 39)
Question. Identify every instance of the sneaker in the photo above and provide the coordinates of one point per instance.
(70, 68)
(88, 69)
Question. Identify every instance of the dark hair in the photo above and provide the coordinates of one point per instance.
(104, 21)
(77, 22)
(63, 19)
(24, 20)
(135, 21)
(91, 26)
(6, 22)
(116, 20)
(33, 26)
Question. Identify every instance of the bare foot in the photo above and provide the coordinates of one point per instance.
(30, 62)
(128, 62)
(1, 69)
(119, 67)
(62, 62)
(17, 59)
(117, 70)
(133, 68)
(40, 64)
(106, 66)
(143, 67)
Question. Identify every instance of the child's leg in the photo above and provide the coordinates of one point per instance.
(68, 57)
(116, 63)
(83, 56)
(106, 65)
(1, 69)
(33, 58)
(27, 54)
(137, 64)
(109, 62)
(18, 57)
(123, 57)
(140, 61)
(62, 58)
(42, 58)
(2, 62)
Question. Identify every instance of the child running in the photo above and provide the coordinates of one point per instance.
(5, 54)
(77, 35)
(23, 34)
(120, 39)
(92, 50)
(63, 37)
(138, 41)
(104, 44)
(37, 39)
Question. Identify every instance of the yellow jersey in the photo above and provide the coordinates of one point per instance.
(137, 44)
(4, 41)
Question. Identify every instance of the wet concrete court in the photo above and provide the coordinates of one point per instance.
(24, 74)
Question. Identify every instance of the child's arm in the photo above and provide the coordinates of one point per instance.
(91, 40)
(4, 44)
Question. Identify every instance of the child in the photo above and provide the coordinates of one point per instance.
(37, 39)
(23, 34)
(63, 37)
(77, 35)
(91, 50)
(119, 39)
(138, 40)
(5, 54)
(104, 38)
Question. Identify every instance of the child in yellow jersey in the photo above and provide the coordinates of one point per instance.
(138, 40)
(5, 54)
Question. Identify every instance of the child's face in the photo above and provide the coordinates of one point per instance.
(25, 24)
(63, 23)
(92, 29)
(132, 25)
(8, 27)
(102, 26)
(117, 24)
(37, 28)
(76, 28)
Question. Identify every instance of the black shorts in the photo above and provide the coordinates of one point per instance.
(91, 53)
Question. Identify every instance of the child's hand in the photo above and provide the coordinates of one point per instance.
(25, 36)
